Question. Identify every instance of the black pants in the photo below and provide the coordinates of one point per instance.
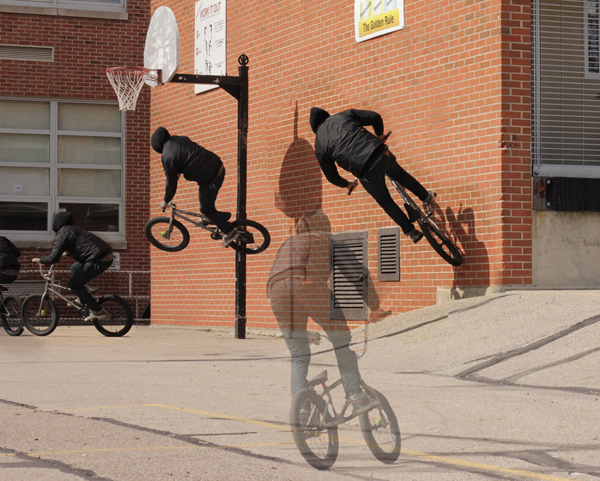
(81, 274)
(207, 195)
(374, 183)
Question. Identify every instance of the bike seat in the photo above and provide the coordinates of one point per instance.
(91, 288)
(3, 289)
(318, 379)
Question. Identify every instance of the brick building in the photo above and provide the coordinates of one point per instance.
(63, 140)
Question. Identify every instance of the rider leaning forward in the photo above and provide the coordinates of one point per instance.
(343, 140)
(92, 255)
(180, 155)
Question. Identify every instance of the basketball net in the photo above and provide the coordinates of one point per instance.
(128, 83)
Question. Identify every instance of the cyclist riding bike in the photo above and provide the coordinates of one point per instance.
(180, 155)
(92, 255)
(342, 139)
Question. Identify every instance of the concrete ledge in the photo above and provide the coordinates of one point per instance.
(63, 12)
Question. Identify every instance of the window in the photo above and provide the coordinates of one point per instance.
(60, 155)
(348, 271)
(565, 88)
(91, 5)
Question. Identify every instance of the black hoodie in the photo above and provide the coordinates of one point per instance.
(8, 255)
(80, 244)
(343, 140)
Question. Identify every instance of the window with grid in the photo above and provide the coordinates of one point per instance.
(59, 154)
(565, 89)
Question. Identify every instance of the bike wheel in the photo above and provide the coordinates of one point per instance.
(121, 316)
(440, 243)
(157, 232)
(380, 429)
(39, 315)
(318, 445)
(10, 312)
(254, 237)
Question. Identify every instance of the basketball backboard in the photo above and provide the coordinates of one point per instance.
(162, 45)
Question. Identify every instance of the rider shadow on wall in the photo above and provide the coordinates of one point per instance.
(297, 287)
(475, 268)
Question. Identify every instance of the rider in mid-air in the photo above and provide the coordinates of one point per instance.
(343, 140)
(180, 155)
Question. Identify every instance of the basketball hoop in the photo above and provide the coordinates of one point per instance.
(128, 83)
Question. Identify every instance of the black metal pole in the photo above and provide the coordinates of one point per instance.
(240, 260)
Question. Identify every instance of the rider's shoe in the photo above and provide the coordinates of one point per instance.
(229, 238)
(431, 195)
(362, 404)
(415, 235)
(101, 314)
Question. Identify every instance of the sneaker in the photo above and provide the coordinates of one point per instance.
(229, 238)
(415, 235)
(431, 195)
(101, 314)
(362, 405)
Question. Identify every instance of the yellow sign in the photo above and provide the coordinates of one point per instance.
(377, 23)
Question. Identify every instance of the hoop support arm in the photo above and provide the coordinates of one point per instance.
(228, 83)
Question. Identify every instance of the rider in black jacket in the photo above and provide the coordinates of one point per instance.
(9, 264)
(343, 140)
(92, 255)
(180, 155)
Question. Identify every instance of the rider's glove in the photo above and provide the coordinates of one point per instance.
(163, 206)
(35, 260)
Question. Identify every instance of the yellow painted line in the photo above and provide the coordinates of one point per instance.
(482, 467)
(406, 452)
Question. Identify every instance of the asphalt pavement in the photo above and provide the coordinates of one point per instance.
(504, 386)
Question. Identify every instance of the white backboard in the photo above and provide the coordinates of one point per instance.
(162, 45)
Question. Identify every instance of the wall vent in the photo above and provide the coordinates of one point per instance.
(349, 276)
(25, 52)
(389, 254)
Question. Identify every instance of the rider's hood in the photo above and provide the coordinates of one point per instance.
(317, 117)
(61, 219)
(159, 138)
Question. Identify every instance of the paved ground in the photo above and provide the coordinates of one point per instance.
(499, 387)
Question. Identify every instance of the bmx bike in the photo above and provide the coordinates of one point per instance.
(170, 235)
(314, 422)
(10, 313)
(440, 242)
(40, 314)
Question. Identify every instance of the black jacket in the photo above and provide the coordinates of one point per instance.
(8, 254)
(180, 155)
(343, 140)
(80, 244)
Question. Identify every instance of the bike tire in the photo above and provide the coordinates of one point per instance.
(156, 229)
(39, 316)
(441, 244)
(10, 312)
(380, 429)
(319, 446)
(259, 234)
(121, 318)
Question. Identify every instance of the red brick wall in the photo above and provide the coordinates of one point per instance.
(83, 49)
(453, 85)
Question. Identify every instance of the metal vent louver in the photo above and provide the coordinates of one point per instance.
(24, 52)
(389, 254)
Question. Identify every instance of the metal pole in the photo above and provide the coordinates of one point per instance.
(240, 260)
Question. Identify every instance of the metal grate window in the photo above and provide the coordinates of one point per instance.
(388, 250)
(565, 89)
(348, 276)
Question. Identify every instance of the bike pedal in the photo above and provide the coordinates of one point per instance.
(216, 236)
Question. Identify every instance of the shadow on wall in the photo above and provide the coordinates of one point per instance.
(476, 264)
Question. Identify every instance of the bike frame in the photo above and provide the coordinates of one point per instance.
(181, 214)
(51, 287)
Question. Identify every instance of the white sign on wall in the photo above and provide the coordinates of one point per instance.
(210, 56)
(373, 18)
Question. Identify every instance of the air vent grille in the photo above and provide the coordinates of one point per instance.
(24, 52)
